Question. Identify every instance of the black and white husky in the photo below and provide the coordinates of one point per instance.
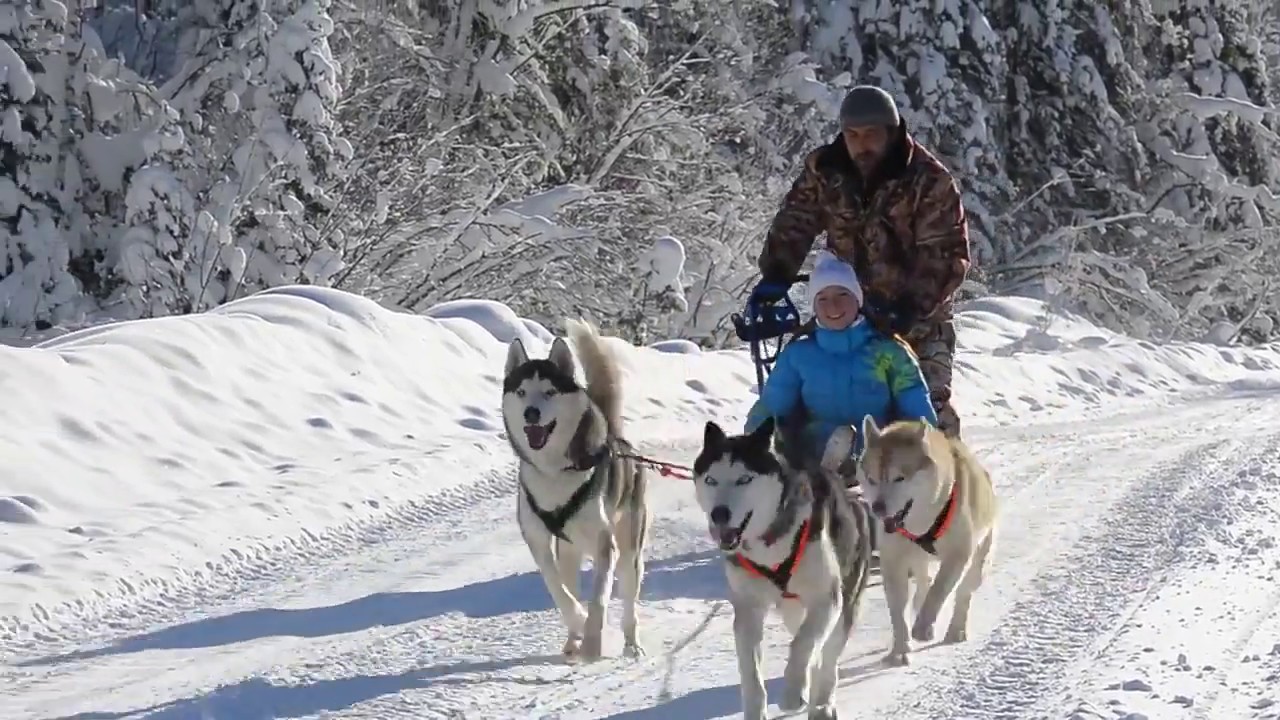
(581, 491)
(792, 540)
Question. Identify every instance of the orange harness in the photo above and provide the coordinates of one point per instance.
(780, 574)
(939, 527)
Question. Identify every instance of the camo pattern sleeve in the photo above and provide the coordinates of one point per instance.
(942, 239)
(796, 225)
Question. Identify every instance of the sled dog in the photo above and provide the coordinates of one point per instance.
(937, 506)
(792, 541)
(581, 492)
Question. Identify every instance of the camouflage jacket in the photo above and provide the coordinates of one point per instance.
(905, 233)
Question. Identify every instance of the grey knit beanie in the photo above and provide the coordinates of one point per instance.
(868, 105)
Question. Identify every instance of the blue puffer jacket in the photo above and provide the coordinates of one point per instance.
(841, 376)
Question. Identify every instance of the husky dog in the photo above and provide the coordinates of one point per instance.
(791, 541)
(581, 490)
(937, 504)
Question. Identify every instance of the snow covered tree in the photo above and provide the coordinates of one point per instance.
(659, 283)
(256, 91)
(944, 62)
(37, 289)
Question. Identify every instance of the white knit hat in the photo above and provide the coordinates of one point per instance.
(831, 271)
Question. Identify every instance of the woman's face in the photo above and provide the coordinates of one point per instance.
(836, 308)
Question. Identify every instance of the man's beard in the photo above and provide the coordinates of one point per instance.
(866, 163)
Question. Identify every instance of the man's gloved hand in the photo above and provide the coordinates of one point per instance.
(770, 290)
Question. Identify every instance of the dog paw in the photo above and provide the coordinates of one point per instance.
(956, 635)
(825, 712)
(922, 632)
(792, 699)
(572, 646)
(591, 648)
(896, 658)
(577, 620)
(633, 650)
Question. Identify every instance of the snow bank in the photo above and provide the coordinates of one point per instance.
(1017, 359)
(145, 457)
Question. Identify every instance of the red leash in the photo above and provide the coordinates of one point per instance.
(665, 469)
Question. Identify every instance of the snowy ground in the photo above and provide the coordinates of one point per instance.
(300, 505)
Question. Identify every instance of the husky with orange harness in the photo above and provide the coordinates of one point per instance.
(792, 541)
(937, 505)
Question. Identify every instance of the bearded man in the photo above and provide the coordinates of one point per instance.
(892, 211)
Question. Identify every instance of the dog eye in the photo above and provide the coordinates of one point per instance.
(744, 480)
(899, 479)
(550, 393)
(710, 481)
(520, 392)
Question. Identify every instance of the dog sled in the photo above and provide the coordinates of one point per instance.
(761, 324)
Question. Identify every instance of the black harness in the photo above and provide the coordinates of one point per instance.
(556, 518)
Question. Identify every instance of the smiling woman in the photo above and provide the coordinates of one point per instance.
(834, 293)
(846, 370)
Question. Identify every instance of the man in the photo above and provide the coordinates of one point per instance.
(891, 210)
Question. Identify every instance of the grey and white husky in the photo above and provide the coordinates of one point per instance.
(792, 541)
(581, 490)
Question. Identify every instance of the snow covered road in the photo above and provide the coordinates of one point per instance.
(1136, 571)
(300, 505)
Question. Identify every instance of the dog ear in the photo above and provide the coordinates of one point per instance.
(712, 436)
(870, 431)
(839, 448)
(516, 356)
(562, 356)
(762, 436)
(924, 429)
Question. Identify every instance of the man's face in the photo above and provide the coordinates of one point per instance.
(867, 146)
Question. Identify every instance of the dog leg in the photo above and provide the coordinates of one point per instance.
(792, 612)
(569, 565)
(571, 612)
(894, 575)
(819, 621)
(943, 583)
(920, 580)
(748, 632)
(958, 630)
(631, 572)
(603, 566)
(826, 675)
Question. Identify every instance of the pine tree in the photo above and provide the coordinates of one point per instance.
(36, 288)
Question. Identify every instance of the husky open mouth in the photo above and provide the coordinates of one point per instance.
(538, 435)
(893, 523)
(729, 537)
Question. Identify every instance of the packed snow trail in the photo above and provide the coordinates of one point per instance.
(302, 505)
(449, 620)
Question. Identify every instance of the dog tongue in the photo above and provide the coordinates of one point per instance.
(536, 435)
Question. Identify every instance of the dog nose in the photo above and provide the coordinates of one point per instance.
(720, 515)
(532, 415)
(877, 507)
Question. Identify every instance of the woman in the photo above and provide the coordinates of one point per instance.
(846, 369)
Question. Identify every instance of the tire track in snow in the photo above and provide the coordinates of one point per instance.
(238, 571)
(151, 601)
(1033, 484)
(448, 648)
(1084, 596)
